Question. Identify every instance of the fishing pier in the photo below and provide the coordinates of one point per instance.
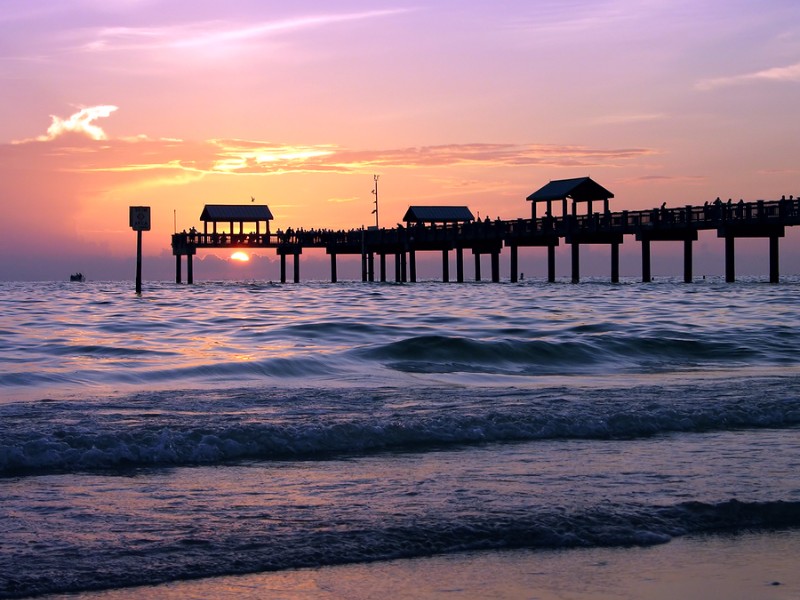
(448, 229)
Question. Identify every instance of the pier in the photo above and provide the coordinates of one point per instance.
(454, 229)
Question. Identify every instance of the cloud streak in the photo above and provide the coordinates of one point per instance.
(216, 33)
(238, 157)
(788, 74)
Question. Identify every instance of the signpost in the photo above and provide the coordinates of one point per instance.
(140, 221)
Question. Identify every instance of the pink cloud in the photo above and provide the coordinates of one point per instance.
(81, 122)
(788, 74)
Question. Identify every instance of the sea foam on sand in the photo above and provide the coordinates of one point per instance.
(762, 565)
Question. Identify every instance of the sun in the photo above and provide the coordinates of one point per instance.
(240, 256)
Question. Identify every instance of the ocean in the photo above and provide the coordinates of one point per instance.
(254, 429)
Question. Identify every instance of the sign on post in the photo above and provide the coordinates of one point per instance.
(140, 221)
(140, 218)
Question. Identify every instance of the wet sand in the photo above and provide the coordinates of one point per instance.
(752, 566)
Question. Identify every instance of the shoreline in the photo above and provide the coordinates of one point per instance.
(736, 567)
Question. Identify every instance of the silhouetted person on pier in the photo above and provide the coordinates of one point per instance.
(718, 208)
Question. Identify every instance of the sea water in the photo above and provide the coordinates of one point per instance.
(232, 428)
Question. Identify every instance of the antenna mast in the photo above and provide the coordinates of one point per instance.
(375, 192)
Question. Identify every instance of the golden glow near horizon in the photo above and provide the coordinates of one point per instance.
(240, 256)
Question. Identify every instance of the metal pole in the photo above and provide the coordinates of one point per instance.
(139, 262)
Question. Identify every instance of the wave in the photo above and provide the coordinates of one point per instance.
(448, 354)
(239, 550)
(201, 428)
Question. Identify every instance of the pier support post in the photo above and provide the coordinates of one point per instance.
(646, 277)
(397, 273)
(514, 263)
(614, 263)
(730, 267)
(412, 265)
(363, 267)
(296, 266)
(445, 266)
(551, 264)
(283, 268)
(333, 267)
(495, 266)
(189, 270)
(371, 266)
(177, 268)
(403, 269)
(687, 261)
(774, 272)
(576, 262)
(383, 267)
(460, 264)
(477, 266)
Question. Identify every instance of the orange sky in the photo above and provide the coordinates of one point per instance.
(174, 105)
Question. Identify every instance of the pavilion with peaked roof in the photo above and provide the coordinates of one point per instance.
(236, 213)
(438, 214)
(579, 189)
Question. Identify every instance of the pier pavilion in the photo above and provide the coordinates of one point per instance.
(436, 220)
(578, 190)
(219, 215)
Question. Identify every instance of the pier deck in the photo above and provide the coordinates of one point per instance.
(731, 220)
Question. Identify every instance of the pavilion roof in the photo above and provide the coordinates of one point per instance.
(579, 189)
(241, 213)
(438, 214)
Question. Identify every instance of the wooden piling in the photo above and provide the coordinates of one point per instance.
(514, 263)
(774, 271)
(687, 260)
(646, 276)
(576, 262)
(730, 267)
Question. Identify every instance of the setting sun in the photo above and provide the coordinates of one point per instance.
(240, 256)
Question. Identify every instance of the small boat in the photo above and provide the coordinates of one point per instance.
(77, 277)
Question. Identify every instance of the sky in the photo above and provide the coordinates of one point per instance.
(172, 104)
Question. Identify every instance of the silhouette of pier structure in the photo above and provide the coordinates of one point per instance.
(448, 229)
